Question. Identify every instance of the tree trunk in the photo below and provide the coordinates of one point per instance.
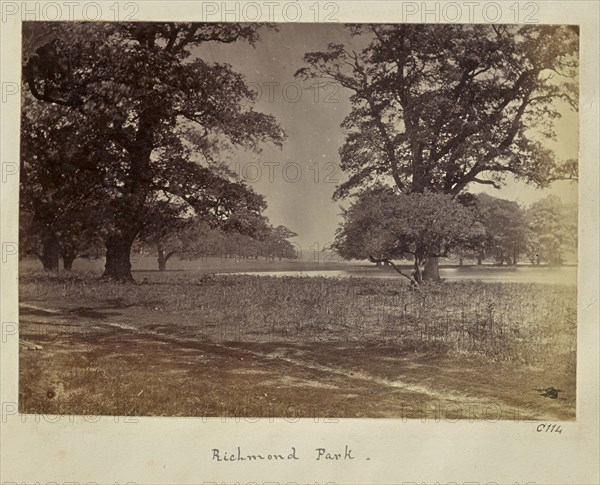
(68, 256)
(162, 260)
(422, 263)
(130, 208)
(118, 262)
(50, 252)
(460, 261)
(432, 270)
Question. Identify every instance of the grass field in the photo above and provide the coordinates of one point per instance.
(236, 345)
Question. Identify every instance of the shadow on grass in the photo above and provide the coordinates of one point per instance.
(100, 312)
(157, 375)
(157, 271)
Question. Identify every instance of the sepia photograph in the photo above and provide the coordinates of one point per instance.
(299, 220)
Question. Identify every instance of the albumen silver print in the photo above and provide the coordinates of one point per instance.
(298, 242)
(319, 221)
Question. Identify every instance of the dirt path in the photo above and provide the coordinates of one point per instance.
(247, 378)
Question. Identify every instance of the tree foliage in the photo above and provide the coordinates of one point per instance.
(553, 229)
(439, 107)
(165, 116)
(62, 200)
(171, 229)
(383, 224)
(506, 227)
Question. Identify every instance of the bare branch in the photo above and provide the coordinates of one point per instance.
(391, 263)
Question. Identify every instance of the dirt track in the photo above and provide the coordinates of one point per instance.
(127, 360)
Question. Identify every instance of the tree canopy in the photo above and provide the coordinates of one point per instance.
(62, 199)
(383, 224)
(553, 229)
(165, 117)
(439, 107)
(506, 227)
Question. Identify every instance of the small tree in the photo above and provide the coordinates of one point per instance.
(277, 243)
(164, 222)
(171, 228)
(423, 226)
(362, 234)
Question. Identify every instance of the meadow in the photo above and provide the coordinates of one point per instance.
(243, 345)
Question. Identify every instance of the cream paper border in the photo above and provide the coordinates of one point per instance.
(64, 449)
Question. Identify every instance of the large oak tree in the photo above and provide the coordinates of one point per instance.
(442, 107)
(165, 113)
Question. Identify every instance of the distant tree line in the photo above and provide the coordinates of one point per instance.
(544, 232)
(382, 225)
(193, 239)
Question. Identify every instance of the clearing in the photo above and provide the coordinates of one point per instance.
(247, 346)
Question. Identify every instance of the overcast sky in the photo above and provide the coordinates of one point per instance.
(303, 201)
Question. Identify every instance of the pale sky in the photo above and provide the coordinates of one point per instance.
(311, 120)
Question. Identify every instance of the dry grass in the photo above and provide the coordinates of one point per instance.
(531, 324)
(250, 346)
